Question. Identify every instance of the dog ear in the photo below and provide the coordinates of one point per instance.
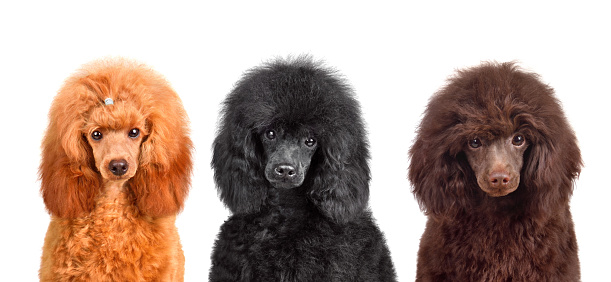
(340, 186)
(69, 181)
(163, 178)
(551, 164)
(440, 177)
(237, 168)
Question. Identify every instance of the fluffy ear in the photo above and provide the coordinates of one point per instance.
(340, 187)
(440, 177)
(163, 178)
(237, 168)
(69, 181)
(442, 180)
(551, 164)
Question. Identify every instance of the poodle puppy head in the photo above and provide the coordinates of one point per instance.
(116, 120)
(497, 163)
(292, 124)
(496, 134)
(116, 144)
(288, 157)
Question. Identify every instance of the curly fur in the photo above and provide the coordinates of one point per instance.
(104, 230)
(526, 235)
(319, 231)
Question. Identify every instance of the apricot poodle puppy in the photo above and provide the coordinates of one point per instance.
(493, 167)
(116, 167)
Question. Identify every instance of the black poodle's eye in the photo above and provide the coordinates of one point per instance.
(270, 134)
(518, 140)
(310, 142)
(96, 135)
(475, 143)
(133, 133)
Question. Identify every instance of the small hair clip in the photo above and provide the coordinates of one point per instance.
(109, 101)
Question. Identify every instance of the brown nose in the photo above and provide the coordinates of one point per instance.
(499, 179)
(118, 167)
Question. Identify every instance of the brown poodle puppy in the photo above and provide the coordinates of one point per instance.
(116, 166)
(493, 167)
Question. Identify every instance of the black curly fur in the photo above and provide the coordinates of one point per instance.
(319, 231)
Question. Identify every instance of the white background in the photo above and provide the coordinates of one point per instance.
(395, 55)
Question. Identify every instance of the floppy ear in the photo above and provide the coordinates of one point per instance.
(163, 178)
(551, 164)
(237, 168)
(69, 181)
(340, 187)
(442, 179)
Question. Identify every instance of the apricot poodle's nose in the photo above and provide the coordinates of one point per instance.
(499, 179)
(118, 167)
(285, 171)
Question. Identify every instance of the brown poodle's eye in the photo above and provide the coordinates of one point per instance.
(475, 143)
(133, 133)
(96, 135)
(518, 140)
(270, 134)
(310, 142)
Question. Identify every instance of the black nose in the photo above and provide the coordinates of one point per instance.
(285, 171)
(499, 179)
(118, 167)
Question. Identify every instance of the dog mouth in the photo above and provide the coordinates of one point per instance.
(118, 170)
(285, 184)
(495, 192)
(498, 188)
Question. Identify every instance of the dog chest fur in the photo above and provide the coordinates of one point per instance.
(115, 242)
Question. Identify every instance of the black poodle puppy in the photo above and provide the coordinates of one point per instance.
(290, 162)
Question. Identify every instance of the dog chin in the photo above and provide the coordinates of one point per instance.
(493, 192)
(109, 177)
(285, 185)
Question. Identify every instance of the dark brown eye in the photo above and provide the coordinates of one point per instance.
(518, 140)
(96, 135)
(133, 133)
(475, 143)
(270, 134)
(310, 142)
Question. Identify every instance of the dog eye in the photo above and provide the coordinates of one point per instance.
(518, 140)
(133, 133)
(96, 135)
(310, 142)
(270, 134)
(475, 143)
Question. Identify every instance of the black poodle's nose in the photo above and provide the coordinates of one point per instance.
(118, 167)
(499, 179)
(285, 171)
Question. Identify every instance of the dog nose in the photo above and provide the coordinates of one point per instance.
(499, 179)
(285, 171)
(118, 167)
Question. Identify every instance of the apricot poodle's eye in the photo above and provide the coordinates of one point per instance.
(96, 135)
(133, 133)
(310, 142)
(518, 140)
(270, 134)
(475, 143)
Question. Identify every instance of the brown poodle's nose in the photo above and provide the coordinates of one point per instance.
(118, 167)
(285, 171)
(499, 179)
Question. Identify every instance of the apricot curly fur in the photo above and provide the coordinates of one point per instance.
(101, 230)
